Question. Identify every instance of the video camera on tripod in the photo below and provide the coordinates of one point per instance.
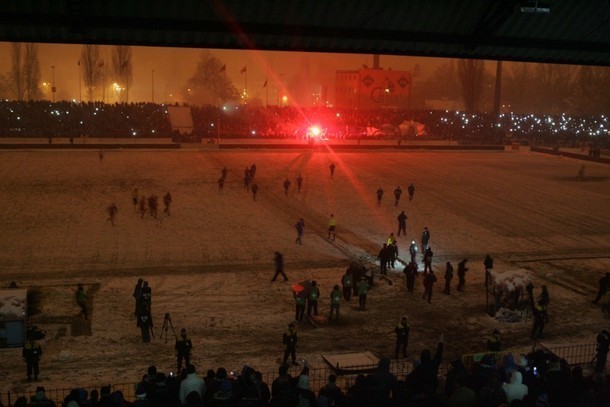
(167, 324)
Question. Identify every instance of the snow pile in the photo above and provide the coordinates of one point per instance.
(511, 297)
(12, 305)
(512, 280)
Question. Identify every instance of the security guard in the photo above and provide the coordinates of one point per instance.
(290, 341)
(32, 351)
(183, 349)
(312, 300)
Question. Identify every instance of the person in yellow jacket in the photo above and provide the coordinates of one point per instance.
(332, 226)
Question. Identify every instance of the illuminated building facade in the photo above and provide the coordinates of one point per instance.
(373, 88)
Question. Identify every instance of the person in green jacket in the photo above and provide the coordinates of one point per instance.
(335, 302)
(312, 299)
(299, 300)
(347, 281)
(363, 288)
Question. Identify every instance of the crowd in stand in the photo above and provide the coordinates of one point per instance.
(96, 119)
(534, 380)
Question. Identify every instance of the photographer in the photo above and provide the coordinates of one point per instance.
(183, 349)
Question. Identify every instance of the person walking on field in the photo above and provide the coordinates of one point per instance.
(428, 260)
(286, 186)
(539, 321)
(402, 223)
(379, 196)
(335, 303)
(425, 239)
(448, 278)
(332, 226)
(153, 205)
(402, 337)
(299, 302)
(363, 288)
(300, 226)
(81, 300)
(410, 275)
(112, 211)
(142, 206)
(429, 280)
(411, 191)
(32, 351)
(397, 194)
(413, 250)
(488, 263)
(279, 266)
(461, 272)
(312, 299)
(384, 258)
(603, 286)
(331, 167)
(137, 294)
(299, 183)
(167, 201)
(135, 195)
(254, 189)
(347, 281)
(145, 323)
(290, 342)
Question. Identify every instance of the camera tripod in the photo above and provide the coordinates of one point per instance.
(167, 324)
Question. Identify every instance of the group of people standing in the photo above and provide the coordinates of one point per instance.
(142, 294)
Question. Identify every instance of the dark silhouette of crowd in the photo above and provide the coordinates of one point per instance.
(532, 380)
(96, 119)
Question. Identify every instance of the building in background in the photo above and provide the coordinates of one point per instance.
(368, 88)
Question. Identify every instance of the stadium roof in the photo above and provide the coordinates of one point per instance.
(553, 31)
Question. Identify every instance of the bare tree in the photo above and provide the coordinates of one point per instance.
(442, 82)
(16, 72)
(31, 72)
(4, 87)
(91, 66)
(122, 69)
(518, 89)
(209, 84)
(554, 85)
(592, 86)
(25, 71)
(471, 77)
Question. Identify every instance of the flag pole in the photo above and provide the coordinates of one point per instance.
(80, 92)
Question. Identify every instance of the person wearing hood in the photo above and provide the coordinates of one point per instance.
(191, 383)
(306, 396)
(515, 389)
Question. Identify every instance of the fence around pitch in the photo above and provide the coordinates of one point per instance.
(318, 377)
(574, 354)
